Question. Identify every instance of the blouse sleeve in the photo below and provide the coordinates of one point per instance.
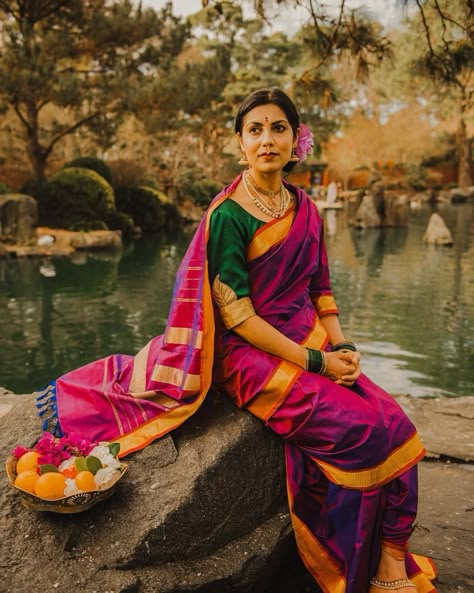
(226, 251)
(320, 284)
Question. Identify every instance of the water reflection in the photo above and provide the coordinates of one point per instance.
(408, 305)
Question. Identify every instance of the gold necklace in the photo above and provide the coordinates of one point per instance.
(266, 192)
(259, 201)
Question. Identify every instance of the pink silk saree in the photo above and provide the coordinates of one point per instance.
(351, 454)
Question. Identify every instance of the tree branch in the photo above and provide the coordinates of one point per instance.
(69, 130)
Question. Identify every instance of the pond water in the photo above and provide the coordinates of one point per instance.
(409, 306)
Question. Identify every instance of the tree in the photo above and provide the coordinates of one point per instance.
(441, 39)
(90, 58)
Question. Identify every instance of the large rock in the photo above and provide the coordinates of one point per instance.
(203, 511)
(18, 218)
(380, 209)
(437, 232)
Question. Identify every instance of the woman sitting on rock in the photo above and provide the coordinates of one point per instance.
(253, 315)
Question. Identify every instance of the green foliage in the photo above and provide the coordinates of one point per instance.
(94, 164)
(417, 177)
(150, 209)
(120, 221)
(90, 174)
(92, 59)
(4, 189)
(198, 189)
(76, 199)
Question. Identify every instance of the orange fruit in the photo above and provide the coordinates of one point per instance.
(85, 481)
(28, 460)
(50, 485)
(27, 480)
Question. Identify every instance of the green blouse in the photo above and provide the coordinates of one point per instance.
(231, 231)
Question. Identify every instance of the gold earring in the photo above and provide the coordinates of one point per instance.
(294, 157)
(243, 159)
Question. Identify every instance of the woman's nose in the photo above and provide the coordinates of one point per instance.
(267, 137)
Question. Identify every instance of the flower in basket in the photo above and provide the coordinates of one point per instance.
(58, 467)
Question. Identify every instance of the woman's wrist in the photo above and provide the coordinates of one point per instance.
(344, 345)
(316, 361)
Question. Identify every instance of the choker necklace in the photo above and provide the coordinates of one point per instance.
(260, 202)
(265, 192)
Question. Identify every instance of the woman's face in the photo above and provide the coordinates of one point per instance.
(267, 138)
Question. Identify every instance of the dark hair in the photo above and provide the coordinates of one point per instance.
(264, 97)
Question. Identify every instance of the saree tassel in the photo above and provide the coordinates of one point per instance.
(48, 410)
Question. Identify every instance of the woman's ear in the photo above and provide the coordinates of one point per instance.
(239, 138)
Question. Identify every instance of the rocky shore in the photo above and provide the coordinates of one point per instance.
(204, 510)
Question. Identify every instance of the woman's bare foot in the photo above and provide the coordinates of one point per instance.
(391, 570)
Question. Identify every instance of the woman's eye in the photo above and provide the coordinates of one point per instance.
(279, 128)
(254, 130)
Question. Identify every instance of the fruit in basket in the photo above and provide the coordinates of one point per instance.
(28, 461)
(85, 481)
(50, 485)
(26, 480)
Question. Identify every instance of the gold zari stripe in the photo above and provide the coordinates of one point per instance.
(269, 235)
(173, 376)
(236, 312)
(138, 380)
(183, 335)
(411, 451)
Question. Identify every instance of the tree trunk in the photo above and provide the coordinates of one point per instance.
(464, 149)
(37, 155)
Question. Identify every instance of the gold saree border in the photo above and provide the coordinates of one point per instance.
(426, 565)
(274, 393)
(157, 427)
(268, 235)
(409, 453)
(315, 557)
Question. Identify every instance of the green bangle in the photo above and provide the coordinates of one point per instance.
(315, 361)
(346, 345)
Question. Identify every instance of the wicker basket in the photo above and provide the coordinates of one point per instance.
(76, 503)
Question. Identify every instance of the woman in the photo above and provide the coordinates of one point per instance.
(255, 283)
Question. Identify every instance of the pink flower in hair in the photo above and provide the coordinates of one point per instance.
(305, 142)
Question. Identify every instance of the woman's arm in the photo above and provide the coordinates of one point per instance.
(342, 366)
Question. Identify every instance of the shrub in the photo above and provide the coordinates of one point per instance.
(127, 173)
(150, 209)
(417, 178)
(75, 198)
(198, 190)
(4, 189)
(93, 164)
(120, 221)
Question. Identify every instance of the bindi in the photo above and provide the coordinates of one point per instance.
(266, 119)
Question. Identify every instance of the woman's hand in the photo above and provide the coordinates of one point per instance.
(343, 367)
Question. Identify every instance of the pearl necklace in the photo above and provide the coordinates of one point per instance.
(260, 202)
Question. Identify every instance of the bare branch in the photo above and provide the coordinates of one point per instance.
(69, 130)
